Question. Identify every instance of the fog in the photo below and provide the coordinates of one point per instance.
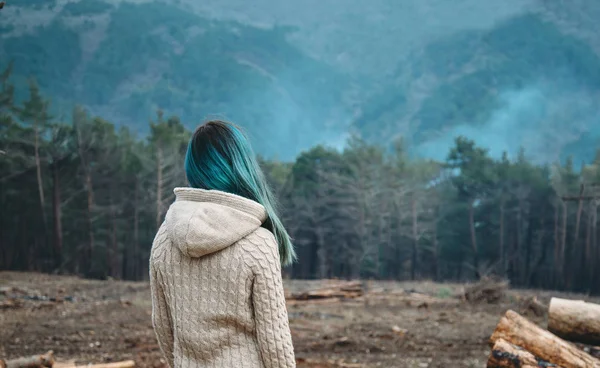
(542, 118)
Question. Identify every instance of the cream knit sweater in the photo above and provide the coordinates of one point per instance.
(217, 293)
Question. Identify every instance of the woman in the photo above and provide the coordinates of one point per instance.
(215, 266)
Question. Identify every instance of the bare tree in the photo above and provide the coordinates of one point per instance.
(35, 112)
(85, 140)
(169, 140)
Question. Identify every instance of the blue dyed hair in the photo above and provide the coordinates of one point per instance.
(219, 157)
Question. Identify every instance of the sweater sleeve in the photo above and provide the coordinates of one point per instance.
(272, 324)
(161, 316)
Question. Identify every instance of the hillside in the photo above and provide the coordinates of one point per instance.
(124, 61)
(297, 74)
(520, 83)
(360, 38)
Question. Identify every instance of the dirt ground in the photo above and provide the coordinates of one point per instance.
(103, 321)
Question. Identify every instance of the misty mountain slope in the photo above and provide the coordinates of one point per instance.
(365, 37)
(446, 78)
(578, 18)
(515, 84)
(518, 72)
(125, 61)
(371, 38)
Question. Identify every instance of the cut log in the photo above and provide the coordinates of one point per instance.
(575, 320)
(65, 364)
(293, 302)
(521, 332)
(123, 364)
(11, 290)
(415, 299)
(345, 290)
(35, 361)
(592, 350)
(10, 304)
(313, 363)
(507, 355)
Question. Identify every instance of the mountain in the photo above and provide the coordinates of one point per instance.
(360, 38)
(124, 61)
(521, 83)
(508, 74)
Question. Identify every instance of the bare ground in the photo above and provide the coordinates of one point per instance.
(103, 321)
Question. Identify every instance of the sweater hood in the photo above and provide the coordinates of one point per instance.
(201, 222)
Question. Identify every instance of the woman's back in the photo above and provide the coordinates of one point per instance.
(216, 284)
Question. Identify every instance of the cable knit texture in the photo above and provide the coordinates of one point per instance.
(217, 293)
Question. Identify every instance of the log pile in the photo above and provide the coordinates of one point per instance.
(518, 342)
(408, 299)
(358, 293)
(15, 298)
(48, 361)
(335, 290)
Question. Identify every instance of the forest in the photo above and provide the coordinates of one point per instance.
(81, 195)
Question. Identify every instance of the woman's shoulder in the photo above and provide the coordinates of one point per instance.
(160, 245)
(260, 247)
(260, 239)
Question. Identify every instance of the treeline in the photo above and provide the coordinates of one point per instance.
(81, 196)
(84, 197)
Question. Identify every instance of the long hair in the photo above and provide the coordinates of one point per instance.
(219, 157)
